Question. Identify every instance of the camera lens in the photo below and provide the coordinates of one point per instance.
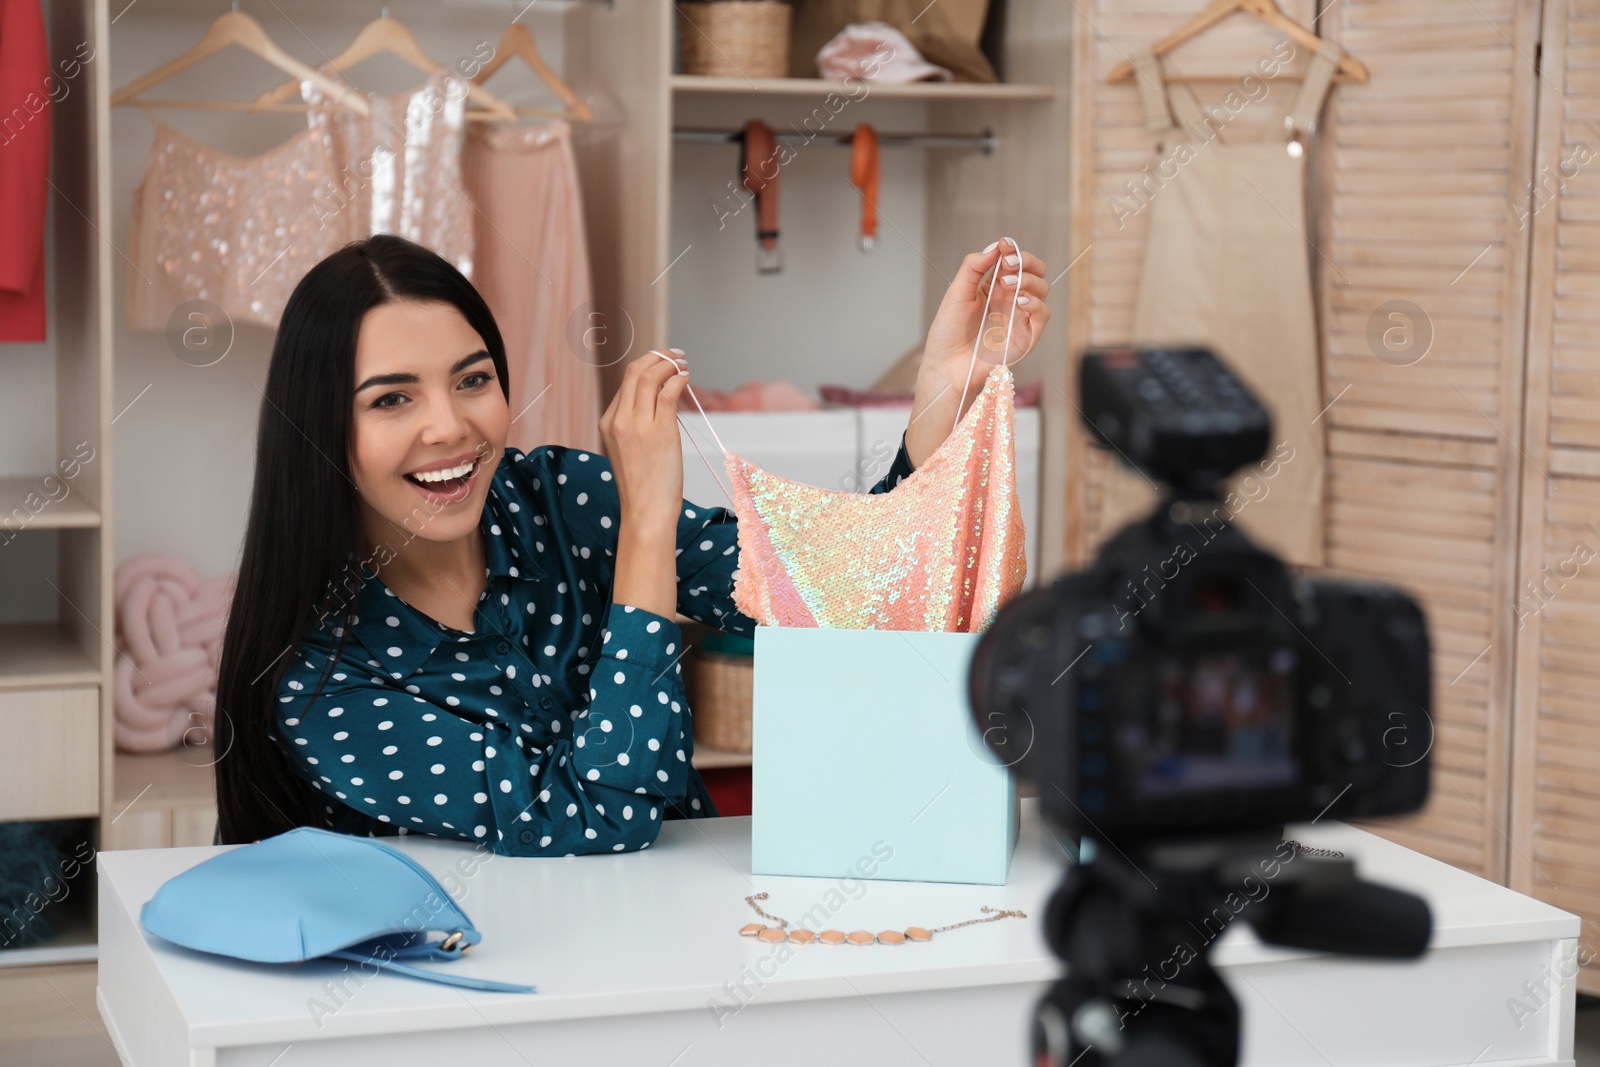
(1004, 667)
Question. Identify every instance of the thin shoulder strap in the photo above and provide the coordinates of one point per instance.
(1005, 354)
(1163, 102)
(461, 980)
(694, 441)
(1152, 92)
(1302, 116)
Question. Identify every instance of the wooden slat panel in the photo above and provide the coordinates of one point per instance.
(1555, 798)
(1449, 35)
(1392, 15)
(1412, 448)
(1575, 666)
(1358, 514)
(1439, 520)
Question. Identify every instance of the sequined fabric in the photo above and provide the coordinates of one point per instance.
(398, 170)
(242, 232)
(943, 550)
(239, 232)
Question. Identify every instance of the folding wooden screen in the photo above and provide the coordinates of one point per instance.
(1421, 264)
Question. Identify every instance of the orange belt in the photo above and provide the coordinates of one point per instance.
(864, 176)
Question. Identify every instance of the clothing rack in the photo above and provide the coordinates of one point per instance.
(985, 142)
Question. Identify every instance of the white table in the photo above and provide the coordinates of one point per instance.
(630, 951)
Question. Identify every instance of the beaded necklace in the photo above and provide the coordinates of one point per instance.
(801, 936)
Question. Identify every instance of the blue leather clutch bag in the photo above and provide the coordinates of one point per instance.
(312, 893)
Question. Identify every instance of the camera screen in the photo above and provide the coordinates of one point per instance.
(1209, 722)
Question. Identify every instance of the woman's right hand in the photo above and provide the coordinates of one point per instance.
(640, 431)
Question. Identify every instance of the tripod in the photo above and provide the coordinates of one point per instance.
(1136, 932)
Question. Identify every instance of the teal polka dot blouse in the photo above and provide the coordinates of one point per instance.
(559, 726)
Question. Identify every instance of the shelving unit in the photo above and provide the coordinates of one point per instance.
(709, 759)
(971, 196)
(44, 656)
(26, 504)
(55, 669)
(689, 84)
(163, 800)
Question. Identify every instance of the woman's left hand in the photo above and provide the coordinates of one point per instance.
(963, 313)
(942, 376)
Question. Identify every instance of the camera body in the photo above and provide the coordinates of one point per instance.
(1186, 684)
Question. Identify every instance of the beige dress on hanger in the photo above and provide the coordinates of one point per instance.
(533, 270)
(1228, 265)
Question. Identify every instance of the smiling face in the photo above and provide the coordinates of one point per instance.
(428, 425)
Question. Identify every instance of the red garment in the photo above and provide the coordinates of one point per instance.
(24, 168)
(730, 789)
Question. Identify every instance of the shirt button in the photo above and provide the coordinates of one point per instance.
(546, 702)
(503, 647)
(526, 837)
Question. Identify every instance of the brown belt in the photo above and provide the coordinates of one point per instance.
(758, 164)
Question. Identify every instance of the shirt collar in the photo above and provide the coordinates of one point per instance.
(399, 637)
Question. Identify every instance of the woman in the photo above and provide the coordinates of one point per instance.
(433, 633)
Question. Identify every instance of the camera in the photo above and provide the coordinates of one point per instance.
(1179, 701)
(1186, 683)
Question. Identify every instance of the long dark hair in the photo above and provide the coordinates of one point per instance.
(304, 533)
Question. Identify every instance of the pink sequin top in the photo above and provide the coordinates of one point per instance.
(240, 232)
(942, 551)
(237, 232)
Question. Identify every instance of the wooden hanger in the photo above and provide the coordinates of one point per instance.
(236, 28)
(1265, 10)
(517, 41)
(385, 34)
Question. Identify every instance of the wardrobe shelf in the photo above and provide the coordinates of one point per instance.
(44, 656)
(692, 85)
(18, 513)
(710, 759)
(75, 942)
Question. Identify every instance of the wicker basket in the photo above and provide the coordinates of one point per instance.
(734, 38)
(723, 686)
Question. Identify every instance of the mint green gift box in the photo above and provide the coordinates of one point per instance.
(864, 744)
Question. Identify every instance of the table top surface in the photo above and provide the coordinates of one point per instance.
(657, 930)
